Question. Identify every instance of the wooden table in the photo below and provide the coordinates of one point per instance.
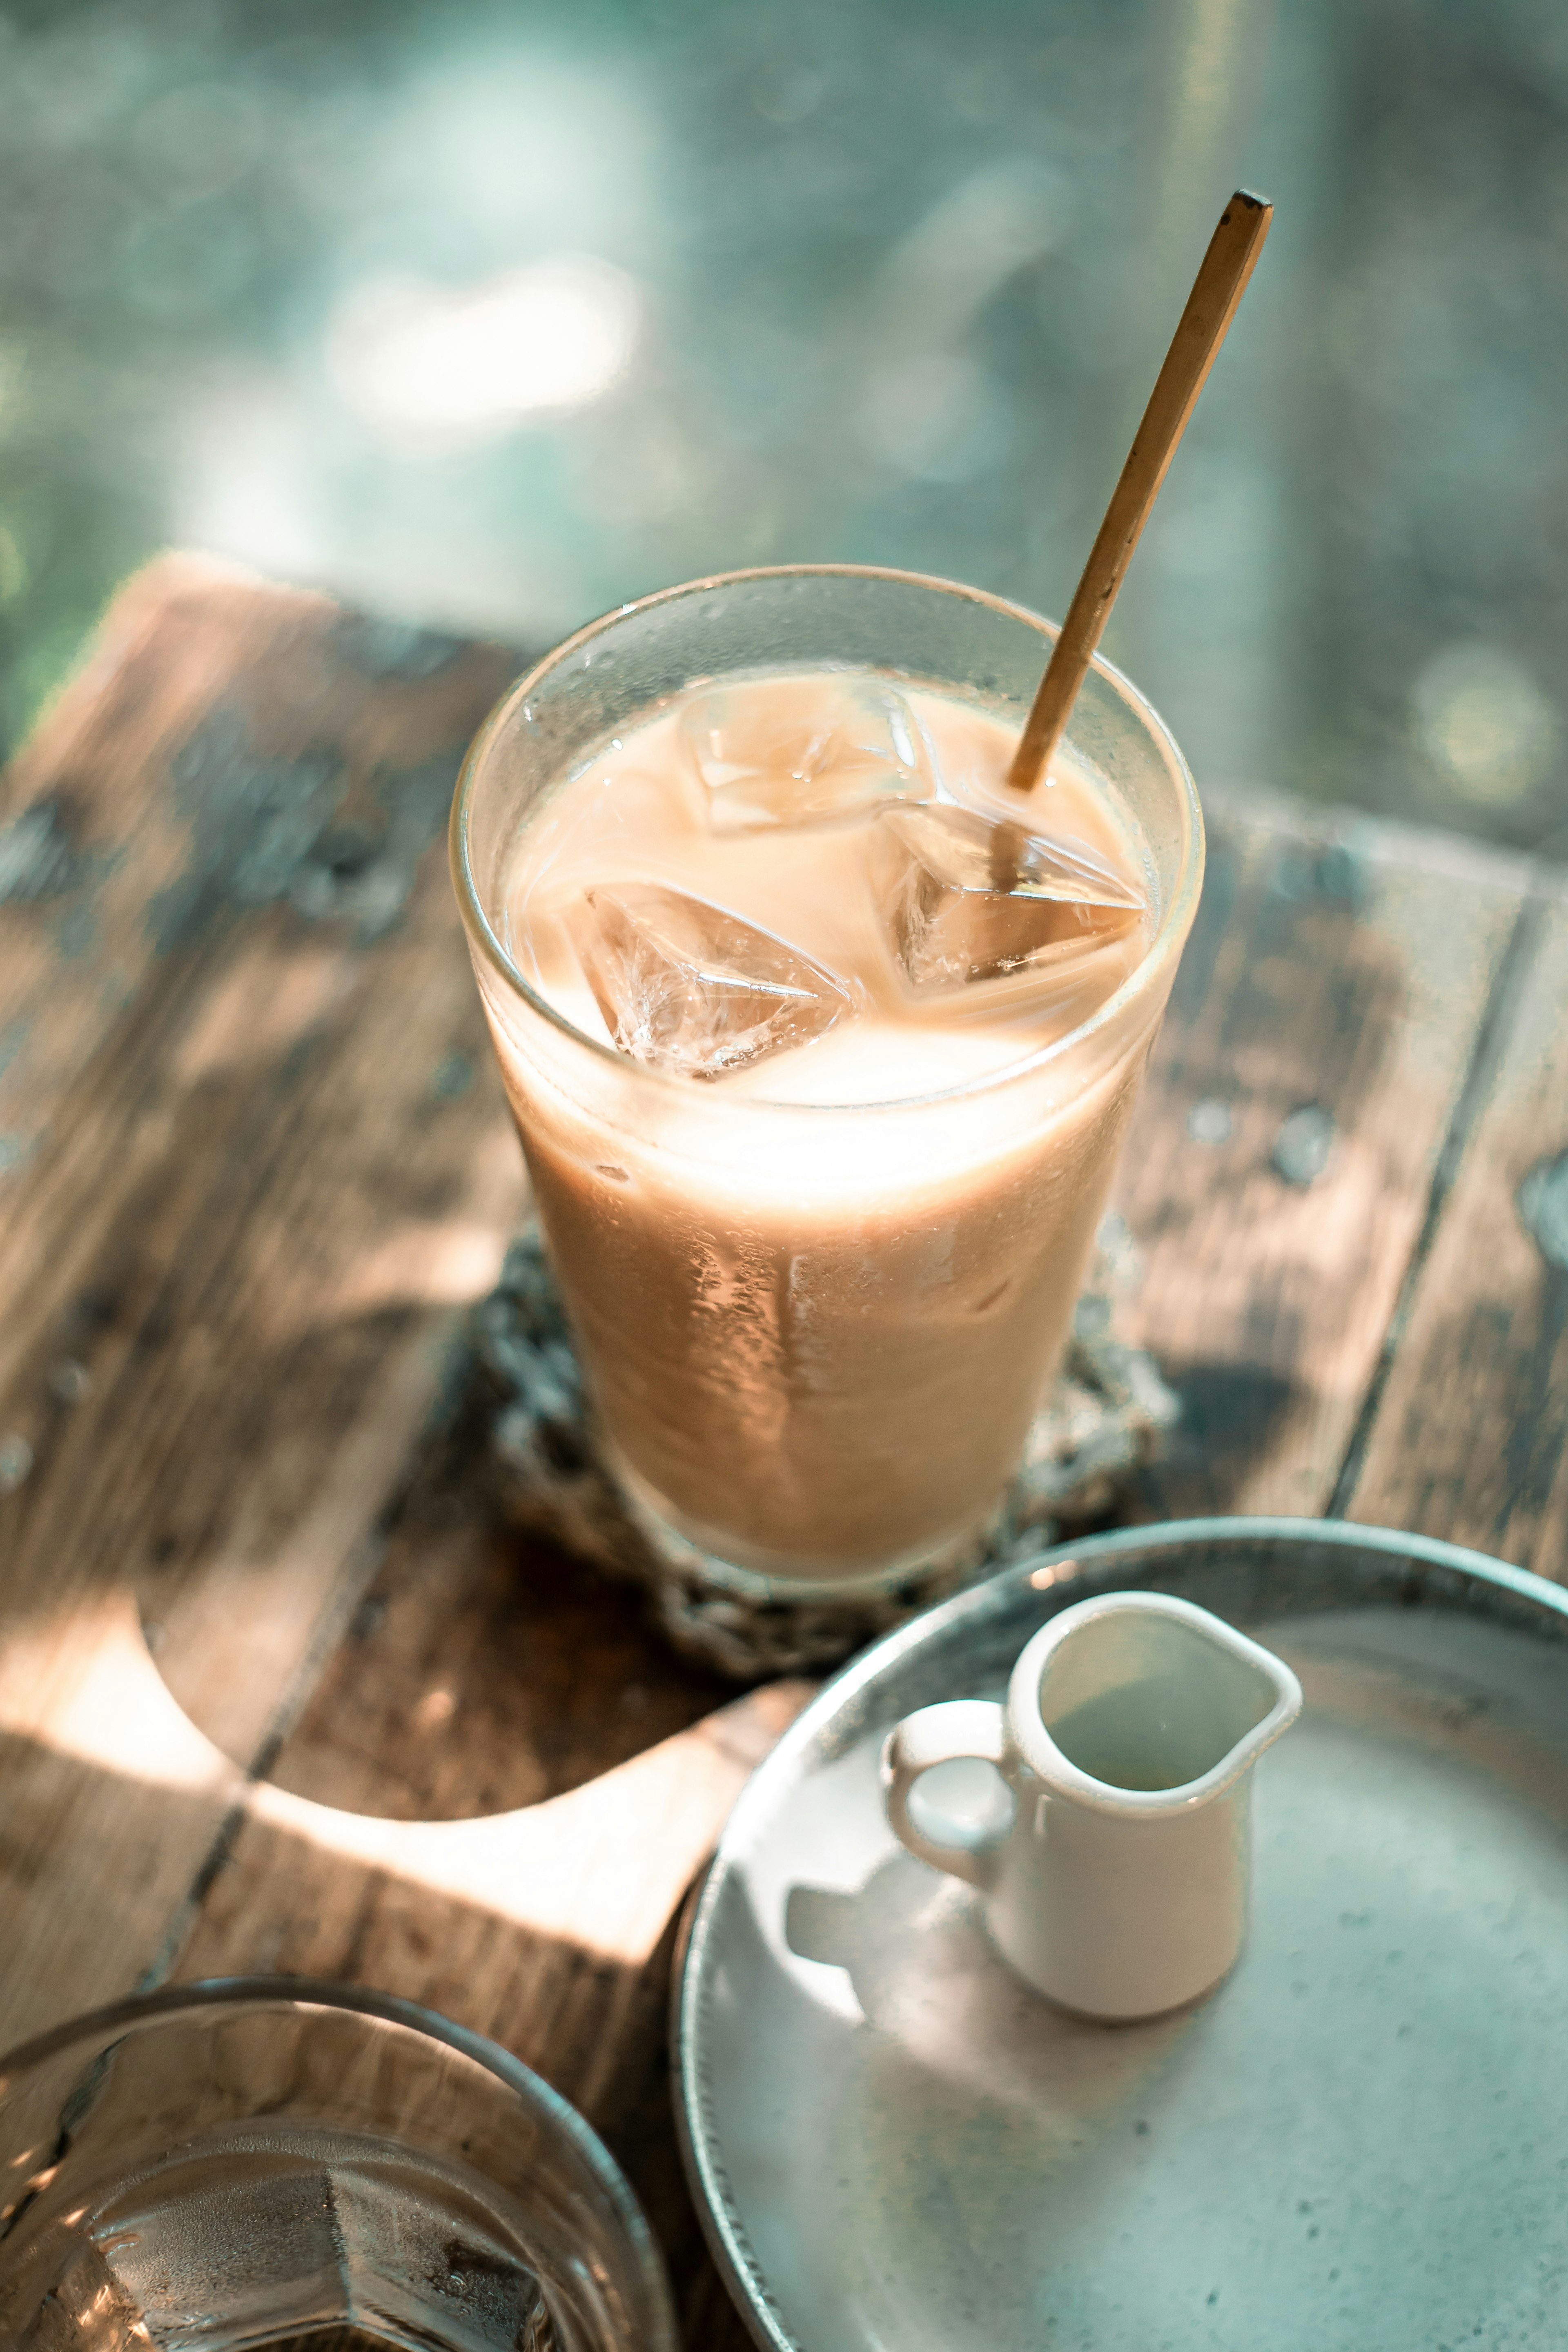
(277, 1691)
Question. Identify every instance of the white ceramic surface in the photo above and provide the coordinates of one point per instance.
(1115, 1879)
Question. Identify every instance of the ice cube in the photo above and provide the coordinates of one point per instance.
(802, 751)
(969, 897)
(691, 988)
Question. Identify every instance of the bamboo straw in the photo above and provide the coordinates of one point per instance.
(1218, 288)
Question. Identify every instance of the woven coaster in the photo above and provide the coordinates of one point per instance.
(1106, 1417)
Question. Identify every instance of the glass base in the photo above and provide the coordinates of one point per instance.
(769, 1579)
(1103, 1421)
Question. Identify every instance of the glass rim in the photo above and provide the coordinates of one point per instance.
(1149, 972)
(284, 1993)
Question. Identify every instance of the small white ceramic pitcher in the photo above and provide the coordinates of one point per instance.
(1131, 1725)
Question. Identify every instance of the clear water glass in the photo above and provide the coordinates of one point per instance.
(230, 2164)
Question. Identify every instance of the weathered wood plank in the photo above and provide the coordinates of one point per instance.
(225, 748)
(266, 1163)
(1340, 971)
(482, 1673)
(1468, 1438)
(470, 1915)
(110, 1798)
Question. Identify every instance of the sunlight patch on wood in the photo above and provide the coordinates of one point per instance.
(602, 1866)
(99, 1697)
(261, 1006)
(449, 1264)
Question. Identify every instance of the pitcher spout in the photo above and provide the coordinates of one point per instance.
(1140, 1705)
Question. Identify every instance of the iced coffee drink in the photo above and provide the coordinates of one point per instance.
(821, 1041)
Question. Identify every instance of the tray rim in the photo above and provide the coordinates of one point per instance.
(726, 2239)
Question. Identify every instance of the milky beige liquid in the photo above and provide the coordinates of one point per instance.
(818, 1313)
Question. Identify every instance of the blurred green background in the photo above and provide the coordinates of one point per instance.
(492, 316)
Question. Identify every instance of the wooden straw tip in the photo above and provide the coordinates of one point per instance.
(1254, 203)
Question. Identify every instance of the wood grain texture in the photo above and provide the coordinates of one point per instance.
(1340, 969)
(482, 1671)
(1468, 1439)
(234, 1241)
(277, 1689)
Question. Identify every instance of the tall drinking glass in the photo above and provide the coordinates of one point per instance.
(226, 2165)
(816, 1336)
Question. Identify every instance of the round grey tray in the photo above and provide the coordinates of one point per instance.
(1360, 2140)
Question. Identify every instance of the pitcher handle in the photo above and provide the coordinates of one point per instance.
(954, 1729)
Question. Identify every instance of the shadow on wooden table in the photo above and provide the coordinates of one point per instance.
(492, 1802)
(285, 1892)
(473, 1672)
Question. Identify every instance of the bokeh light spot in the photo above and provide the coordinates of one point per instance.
(1484, 722)
(454, 366)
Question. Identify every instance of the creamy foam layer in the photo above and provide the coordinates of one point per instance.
(639, 814)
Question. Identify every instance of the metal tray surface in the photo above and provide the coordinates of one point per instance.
(1360, 2140)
